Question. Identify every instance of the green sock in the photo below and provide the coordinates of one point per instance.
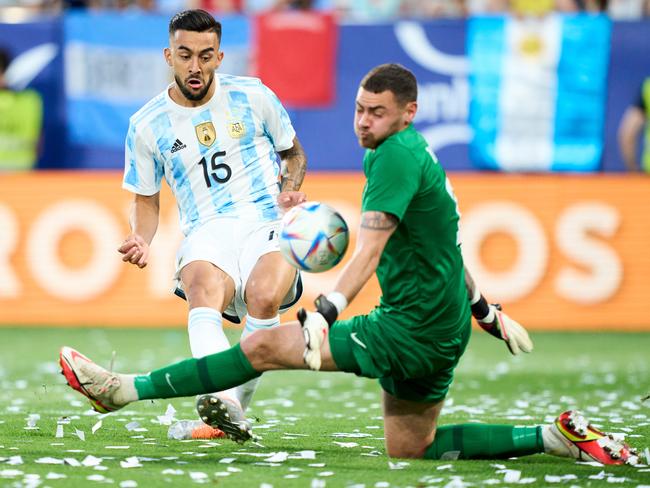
(482, 441)
(215, 372)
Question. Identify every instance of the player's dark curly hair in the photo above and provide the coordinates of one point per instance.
(395, 78)
(195, 21)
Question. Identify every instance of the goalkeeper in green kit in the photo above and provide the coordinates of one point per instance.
(412, 341)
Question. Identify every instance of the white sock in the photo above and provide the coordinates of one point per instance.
(245, 392)
(205, 328)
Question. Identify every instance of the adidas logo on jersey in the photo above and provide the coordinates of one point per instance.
(178, 145)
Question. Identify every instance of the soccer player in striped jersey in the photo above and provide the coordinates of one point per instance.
(216, 139)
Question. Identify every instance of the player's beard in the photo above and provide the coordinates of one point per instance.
(370, 141)
(192, 95)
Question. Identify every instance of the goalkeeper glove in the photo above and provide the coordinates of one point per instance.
(315, 325)
(498, 324)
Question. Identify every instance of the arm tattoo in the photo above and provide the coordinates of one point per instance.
(296, 166)
(378, 221)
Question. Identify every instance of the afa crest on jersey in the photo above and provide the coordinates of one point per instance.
(206, 133)
(236, 129)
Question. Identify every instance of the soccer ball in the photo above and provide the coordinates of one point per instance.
(313, 237)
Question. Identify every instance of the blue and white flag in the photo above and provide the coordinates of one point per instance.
(538, 91)
(114, 64)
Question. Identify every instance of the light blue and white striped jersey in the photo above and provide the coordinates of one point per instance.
(219, 159)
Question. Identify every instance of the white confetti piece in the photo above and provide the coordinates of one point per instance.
(325, 474)
(277, 457)
(32, 418)
(91, 461)
(222, 474)
(350, 434)
(445, 466)
(131, 462)
(307, 454)
(175, 472)
(512, 476)
(49, 460)
(10, 473)
(397, 465)
(291, 476)
(128, 484)
(552, 478)
(316, 483)
(80, 434)
(198, 475)
(232, 469)
(316, 465)
(590, 463)
(15, 460)
(131, 426)
(59, 431)
(96, 427)
(54, 476)
(117, 447)
(526, 481)
(227, 460)
(96, 477)
(346, 444)
(71, 462)
(614, 479)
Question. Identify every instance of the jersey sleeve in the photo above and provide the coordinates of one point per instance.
(393, 178)
(277, 124)
(142, 173)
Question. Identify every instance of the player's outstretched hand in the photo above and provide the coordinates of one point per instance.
(314, 330)
(288, 199)
(509, 330)
(135, 250)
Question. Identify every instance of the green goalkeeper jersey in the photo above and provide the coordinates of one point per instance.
(421, 269)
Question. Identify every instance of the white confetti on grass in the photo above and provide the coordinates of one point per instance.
(128, 484)
(96, 427)
(198, 475)
(72, 462)
(55, 476)
(117, 447)
(49, 460)
(131, 462)
(59, 431)
(80, 434)
(175, 472)
(345, 444)
(10, 473)
(398, 465)
(511, 476)
(32, 418)
(15, 460)
(91, 461)
(227, 460)
(352, 435)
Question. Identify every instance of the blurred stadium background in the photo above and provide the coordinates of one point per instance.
(522, 110)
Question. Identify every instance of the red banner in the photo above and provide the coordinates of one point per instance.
(296, 56)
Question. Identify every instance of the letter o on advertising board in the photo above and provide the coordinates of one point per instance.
(532, 249)
(46, 233)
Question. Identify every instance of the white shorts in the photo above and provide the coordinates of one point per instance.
(234, 246)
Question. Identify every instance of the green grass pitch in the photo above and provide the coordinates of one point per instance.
(316, 429)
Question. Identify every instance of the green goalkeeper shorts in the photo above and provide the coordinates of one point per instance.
(410, 365)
